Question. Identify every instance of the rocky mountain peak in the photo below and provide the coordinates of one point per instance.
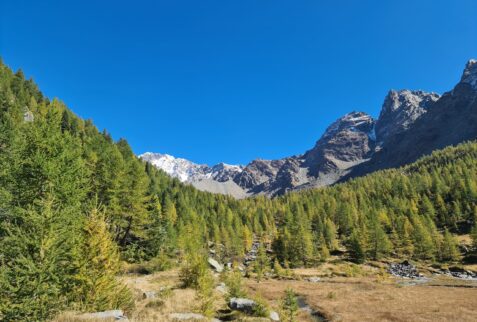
(401, 109)
(352, 122)
(223, 172)
(470, 74)
(187, 171)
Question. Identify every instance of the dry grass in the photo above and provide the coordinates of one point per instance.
(174, 300)
(346, 293)
(372, 299)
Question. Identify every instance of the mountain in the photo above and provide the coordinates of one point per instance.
(216, 179)
(449, 120)
(411, 123)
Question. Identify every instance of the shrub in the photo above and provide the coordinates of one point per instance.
(289, 306)
(261, 308)
(233, 280)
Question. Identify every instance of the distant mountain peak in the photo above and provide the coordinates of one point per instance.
(400, 109)
(354, 121)
(188, 171)
(470, 73)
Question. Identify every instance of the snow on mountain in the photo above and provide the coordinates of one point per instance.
(411, 123)
(470, 74)
(187, 171)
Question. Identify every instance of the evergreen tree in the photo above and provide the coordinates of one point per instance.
(357, 247)
(449, 248)
(289, 306)
(99, 288)
(261, 264)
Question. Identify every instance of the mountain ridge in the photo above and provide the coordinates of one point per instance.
(353, 145)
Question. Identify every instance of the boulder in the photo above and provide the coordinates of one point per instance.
(242, 305)
(404, 269)
(215, 265)
(105, 315)
(28, 117)
(274, 316)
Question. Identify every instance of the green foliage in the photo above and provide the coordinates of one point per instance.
(233, 281)
(449, 247)
(357, 246)
(205, 294)
(289, 307)
(192, 270)
(262, 263)
(261, 308)
(99, 289)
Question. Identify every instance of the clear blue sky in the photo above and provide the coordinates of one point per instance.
(233, 80)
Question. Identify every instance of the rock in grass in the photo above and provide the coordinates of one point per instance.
(186, 316)
(274, 316)
(215, 265)
(105, 315)
(313, 279)
(242, 305)
(221, 288)
(149, 295)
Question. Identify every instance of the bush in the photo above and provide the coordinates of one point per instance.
(289, 306)
(193, 268)
(205, 294)
(261, 308)
(233, 280)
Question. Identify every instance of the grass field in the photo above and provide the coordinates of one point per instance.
(344, 293)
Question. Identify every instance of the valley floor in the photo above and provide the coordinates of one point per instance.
(339, 292)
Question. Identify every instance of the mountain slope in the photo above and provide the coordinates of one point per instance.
(451, 119)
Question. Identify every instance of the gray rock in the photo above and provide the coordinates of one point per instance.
(28, 117)
(242, 305)
(274, 316)
(313, 279)
(404, 269)
(149, 295)
(105, 315)
(186, 316)
(221, 288)
(219, 268)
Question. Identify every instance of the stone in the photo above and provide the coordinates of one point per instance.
(404, 269)
(105, 315)
(149, 295)
(186, 316)
(28, 117)
(313, 279)
(242, 305)
(221, 288)
(274, 316)
(219, 268)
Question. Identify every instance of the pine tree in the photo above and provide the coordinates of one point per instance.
(261, 264)
(289, 306)
(98, 288)
(205, 294)
(357, 247)
(449, 248)
(424, 247)
(378, 241)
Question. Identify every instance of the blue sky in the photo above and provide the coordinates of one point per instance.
(232, 81)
